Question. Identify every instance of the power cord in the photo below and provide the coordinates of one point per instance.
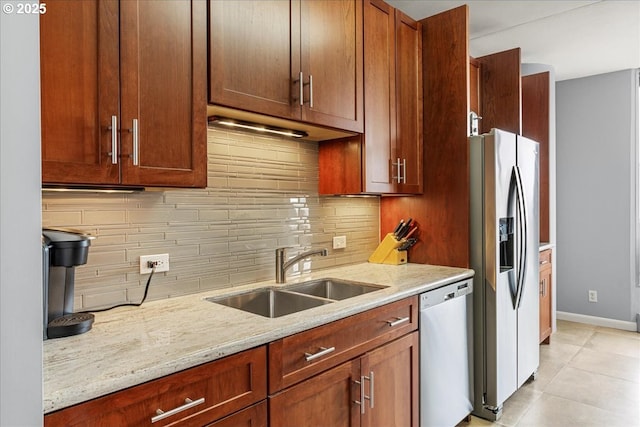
(128, 304)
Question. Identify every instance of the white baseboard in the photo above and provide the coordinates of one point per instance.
(597, 321)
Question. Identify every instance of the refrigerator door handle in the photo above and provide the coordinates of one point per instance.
(522, 227)
(513, 276)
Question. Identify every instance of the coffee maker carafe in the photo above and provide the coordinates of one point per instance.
(62, 251)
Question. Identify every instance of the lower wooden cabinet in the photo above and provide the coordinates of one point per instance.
(545, 296)
(380, 388)
(253, 416)
(358, 371)
(194, 397)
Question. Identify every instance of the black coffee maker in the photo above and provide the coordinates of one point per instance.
(62, 251)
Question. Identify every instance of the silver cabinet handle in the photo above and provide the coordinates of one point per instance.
(301, 89)
(136, 143)
(398, 321)
(362, 395)
(398, 166)
(114, 139)
(371, 388)
(323, 352)
(310, 91)
(188, 403)
(404, 171)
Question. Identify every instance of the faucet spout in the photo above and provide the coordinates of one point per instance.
(282, 265)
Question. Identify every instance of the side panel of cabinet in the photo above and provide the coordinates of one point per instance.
(443, 211)
(535, 125)
(340, 166)
(250, 57)
(331, 54)
(323, 400)
(393, 375)
(408, 83)
(163, 83)
(80, 91)
(380, 102)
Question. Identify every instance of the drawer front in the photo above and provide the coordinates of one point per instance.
(253, 416)
(297, 357)
(195, 396)
(545, 258)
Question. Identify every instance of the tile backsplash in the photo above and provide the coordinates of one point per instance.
(262, 194)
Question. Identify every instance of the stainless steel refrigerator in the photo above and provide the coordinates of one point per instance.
(504, 229)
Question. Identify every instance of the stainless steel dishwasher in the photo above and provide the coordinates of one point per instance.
(446, 358)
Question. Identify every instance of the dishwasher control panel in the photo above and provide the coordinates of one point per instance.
(447, 292)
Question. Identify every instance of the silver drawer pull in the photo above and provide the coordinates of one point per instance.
(398, 321)
(323, 351)
(188, 403)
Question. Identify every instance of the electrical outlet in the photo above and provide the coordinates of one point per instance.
(159, 261)
(339, 242)
(593, 296)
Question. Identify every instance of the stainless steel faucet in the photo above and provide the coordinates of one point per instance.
(282, 265)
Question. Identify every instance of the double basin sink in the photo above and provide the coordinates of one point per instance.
(280, 301)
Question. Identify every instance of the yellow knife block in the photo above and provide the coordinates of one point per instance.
(387, 252)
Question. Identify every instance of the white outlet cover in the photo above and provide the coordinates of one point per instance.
(161, 260)
(339, 242)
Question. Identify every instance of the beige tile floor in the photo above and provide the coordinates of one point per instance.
(588, 376)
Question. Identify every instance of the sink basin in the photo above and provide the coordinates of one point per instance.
(270, 302)
(335, 289)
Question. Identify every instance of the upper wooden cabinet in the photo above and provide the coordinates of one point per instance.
(390, 152)
(123, 93)
(297, 59)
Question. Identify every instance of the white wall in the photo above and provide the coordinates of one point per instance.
(596, 186)
(20, 253)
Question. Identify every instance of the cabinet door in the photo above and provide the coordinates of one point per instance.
(80, 91)
(331, 55)
(392, 372)
(545, 296)
(324, 400)
(408, 83)
(163, 84)
(380, 102)
(250, 57)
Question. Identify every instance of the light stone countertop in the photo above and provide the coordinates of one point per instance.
(131, 345)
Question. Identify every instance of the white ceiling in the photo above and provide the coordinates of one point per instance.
(577, 38)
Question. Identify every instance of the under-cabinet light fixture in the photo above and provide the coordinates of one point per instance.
(54, 189)
(233, 123)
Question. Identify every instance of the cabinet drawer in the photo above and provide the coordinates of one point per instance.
(297, 357)
(545, 258)
(216, 389)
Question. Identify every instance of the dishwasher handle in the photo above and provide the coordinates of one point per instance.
(446, 293)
